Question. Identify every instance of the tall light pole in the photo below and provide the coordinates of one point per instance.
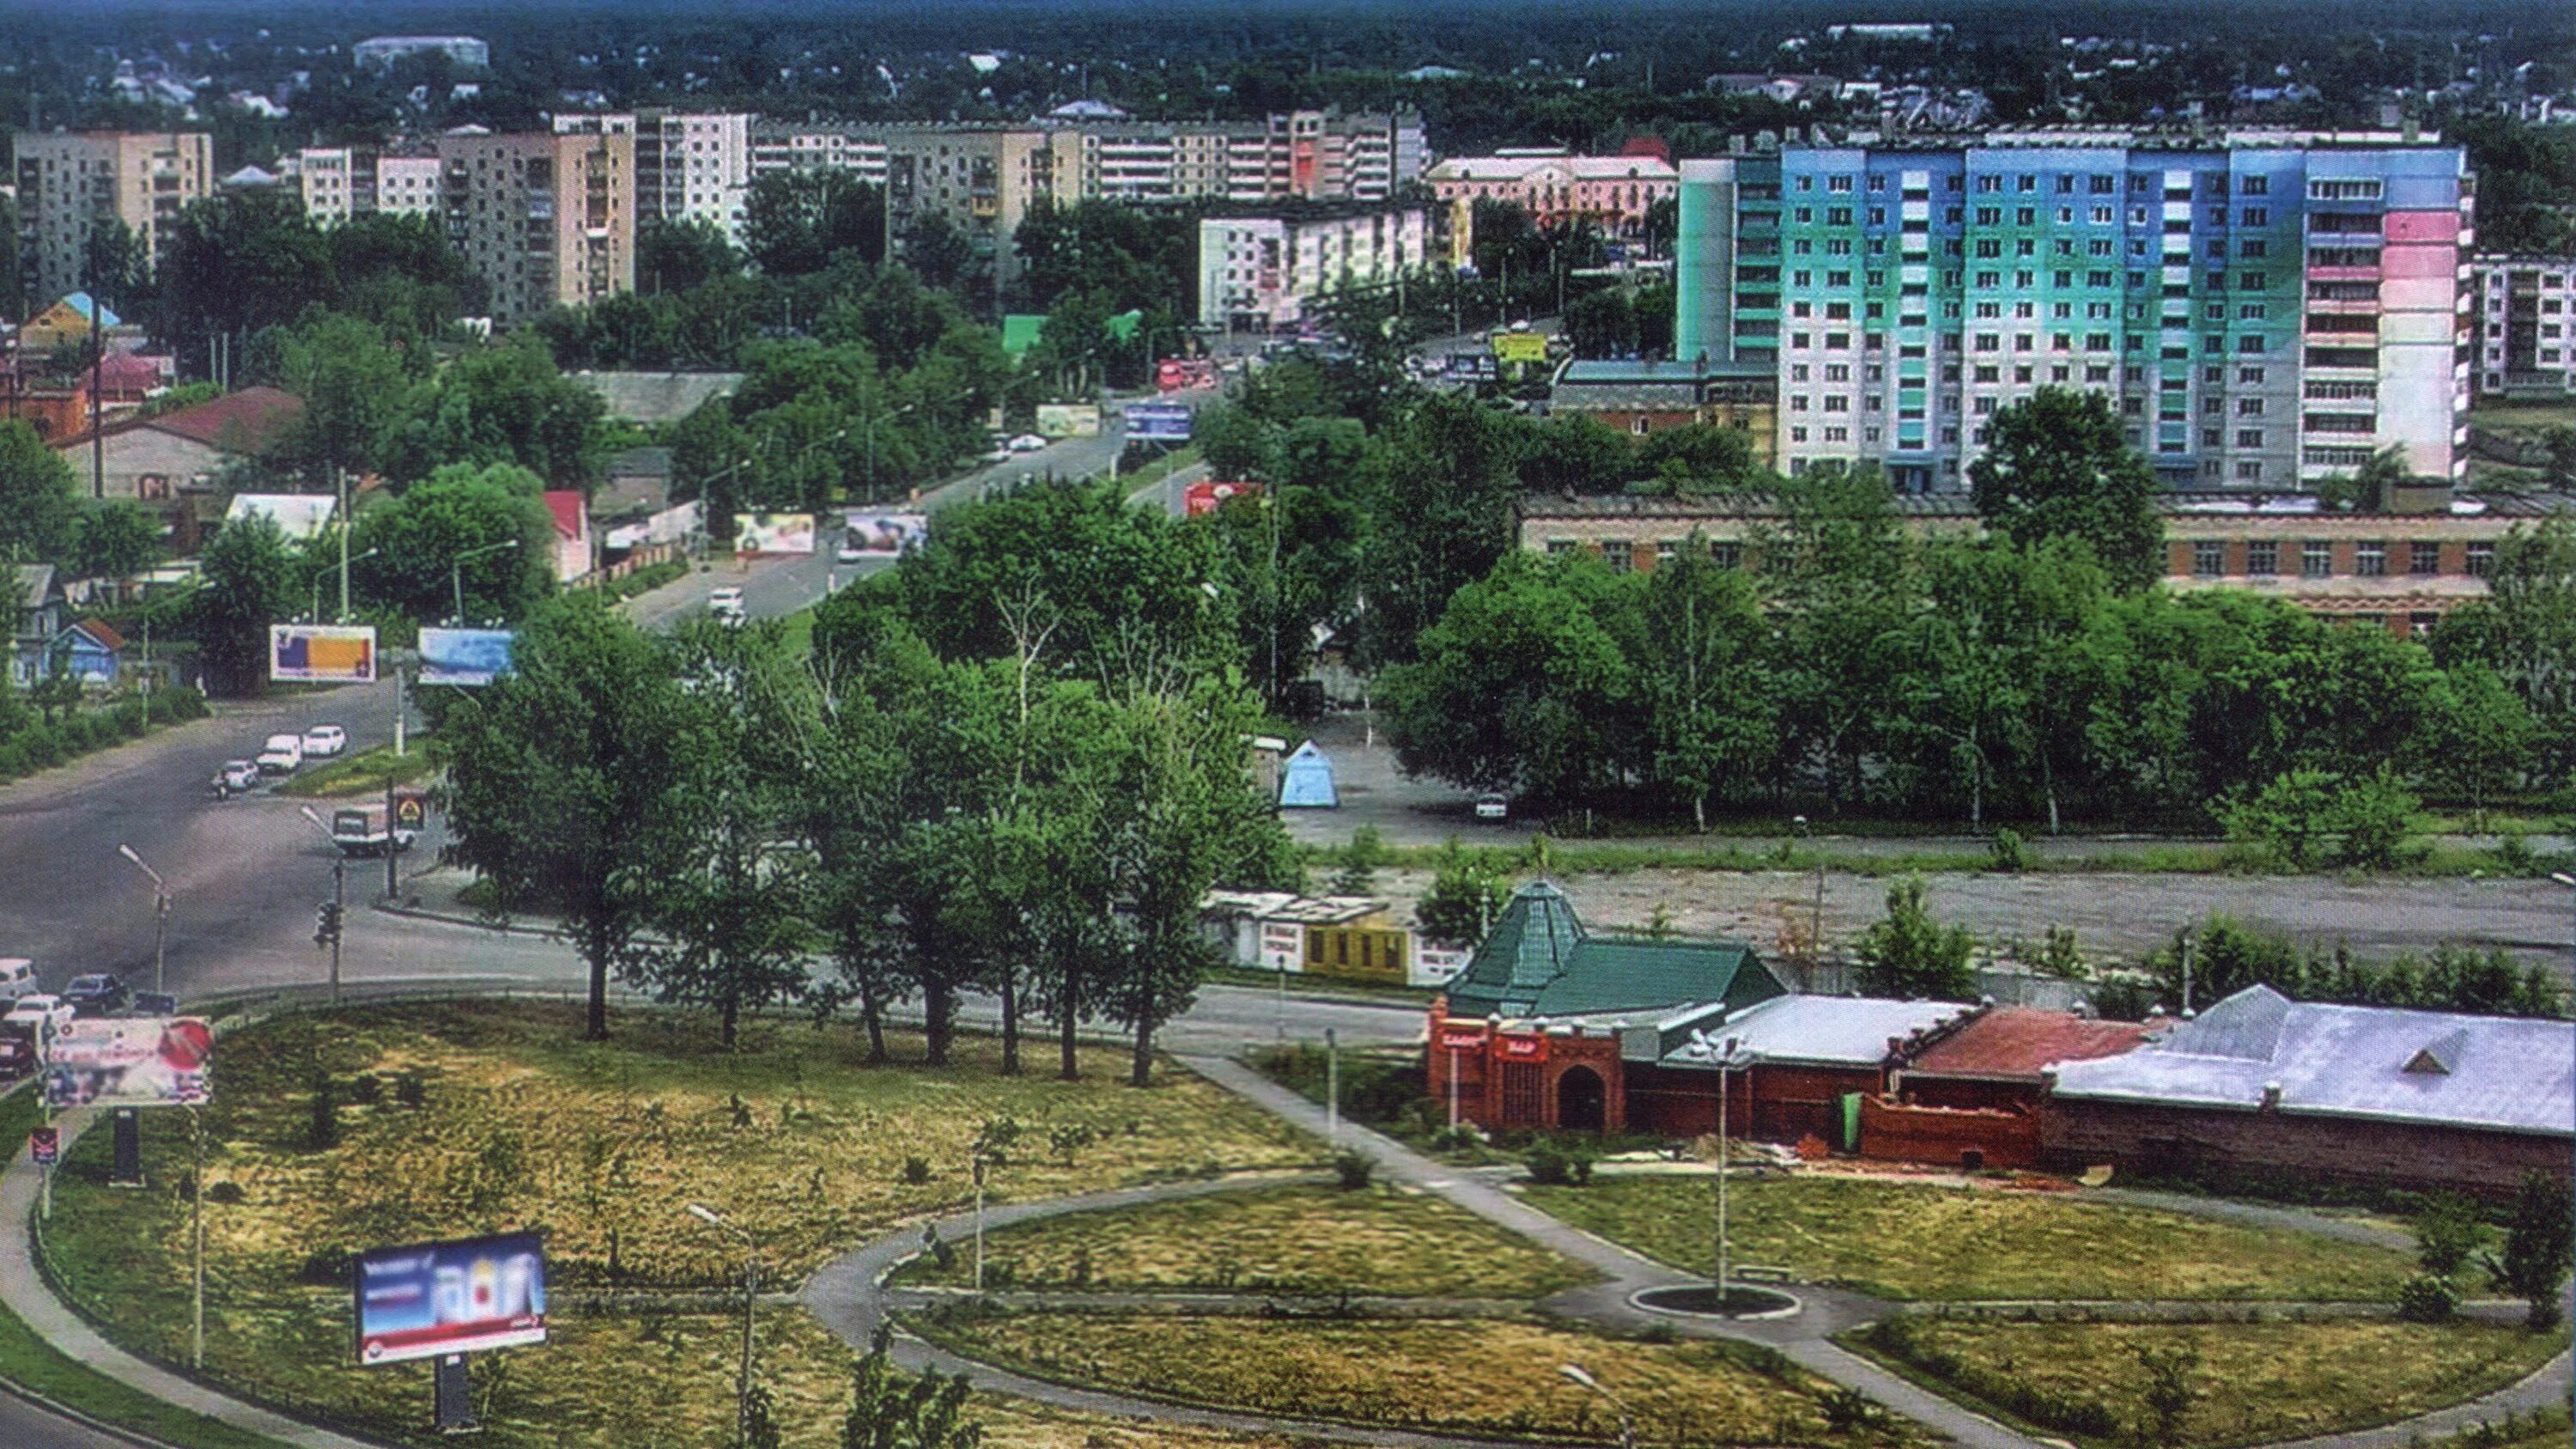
(160, 917)
(1727, 1061)
(342, 568)
(456, 571)
(1816, 944)
(334, 917)
(2569, 881)
(1574, 1373)
(750, 1296)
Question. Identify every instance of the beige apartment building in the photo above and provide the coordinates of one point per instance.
(984, 181)
(70, 182)
(545, 220)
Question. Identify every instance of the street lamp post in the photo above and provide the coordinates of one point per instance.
(1727, 1062)
(456, 571)
(1816, 945)
(342, 569)
(1573, 1373)
(160, 917)
(750, 1296)
(335, 918)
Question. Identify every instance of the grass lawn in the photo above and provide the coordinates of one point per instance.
(1912, 1240)
(796, 633)
(1313, 1240)
(2253, 1383)
(364, 773)
(2522, 415)
(1482, 1376)
(602, 1146)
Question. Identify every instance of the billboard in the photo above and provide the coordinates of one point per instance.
(430, 1299)
(469, 657)
(322, 653)
(1157, 423)
(1198, 500)
(1175, 374)
(773, 533)
(1068, 420)
(135, 1061)
(884, 532)
(1522, 347)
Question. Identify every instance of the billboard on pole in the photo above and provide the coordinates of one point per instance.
(148, 1061)
(469, 657)
(1157, 423)
(429, 1299)
(322, 653)
(884, 532)
(773, 533)
(1068, 420)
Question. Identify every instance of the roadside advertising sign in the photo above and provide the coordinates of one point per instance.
(1523, 347)
(45, 1146)
(773, 533)
(1198, 500)
(884, 531)
(1157, 423)
(1068, 420)
(322, 653)
(411, 810)
(469, 657)
(430, 1299)
(130, 1062)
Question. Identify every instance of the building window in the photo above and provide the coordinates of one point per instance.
(2481, 558)
(1619, 553)
(2208, 559)
(2262, 558)
(2370, 558)
(1556, 546)
(2420, 625)
(2423, 557)
(1726, 554)
(2316, 559)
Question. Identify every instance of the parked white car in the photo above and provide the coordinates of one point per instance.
(46, 1015)
(1493, 807)
(282, 755)
(726, 604)
(324, 740)
(1027, 443)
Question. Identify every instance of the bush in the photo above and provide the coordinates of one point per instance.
(937, 1247)
(1552, 1162)
(226, 1192)
(2426, 1299)
(2446, 1232)
(2006, 852)
(1352, 1169)
(916, 1170)
(322, 1131)
(2305, 816)
(366, 1089)
(411, 1089)
(2066, 1412)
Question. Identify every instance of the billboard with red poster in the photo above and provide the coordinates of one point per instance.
(1198, 500)
(130, 1061)
(1178, 374)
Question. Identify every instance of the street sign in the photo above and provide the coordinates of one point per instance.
(411, 810)
(45, 1145)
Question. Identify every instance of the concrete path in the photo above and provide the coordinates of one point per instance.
(31, 1298)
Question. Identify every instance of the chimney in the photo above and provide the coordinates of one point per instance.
(2271, 1096)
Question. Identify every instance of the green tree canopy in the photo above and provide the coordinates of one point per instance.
(2059, 465)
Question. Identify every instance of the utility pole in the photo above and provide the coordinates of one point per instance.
(197, 1234)
(1332, 1088)
(340, 485)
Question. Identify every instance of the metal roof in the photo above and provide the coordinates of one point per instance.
(2502, 1073)
(2017, 1043)
(1824, 1031)
(1540, 962)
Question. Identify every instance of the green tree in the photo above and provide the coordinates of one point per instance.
(2525, 630)
(113, 540)
(2366, 489)
(1441, 517)
(1845, 584)
(420, 538)
(2536, 1247)
(1711, 696)
(250, 583)
(505, 403)
(116, 268)
(722, 888)
(682, 256)
(39, 501)
(1360, 861)
(557, 770)
(2476, 739)
(2446, 1233)
(1465, 898)
(796, 222)
(2058, 465)
(355, 385)
(1576, 453)
(1912, 956)
(239, 262)
(2308, 815)
(887, 1412)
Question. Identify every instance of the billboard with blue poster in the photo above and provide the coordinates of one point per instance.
(430, 1299)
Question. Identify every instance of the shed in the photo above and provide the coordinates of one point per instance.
(1306, 781)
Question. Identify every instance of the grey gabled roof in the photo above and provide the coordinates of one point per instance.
(2501, 1073)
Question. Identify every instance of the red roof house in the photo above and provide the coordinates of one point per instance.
(1995, 1058)
(571, 513)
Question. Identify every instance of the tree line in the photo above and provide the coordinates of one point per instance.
(1027, 800)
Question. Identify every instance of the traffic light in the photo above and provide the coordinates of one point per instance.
(326, 923)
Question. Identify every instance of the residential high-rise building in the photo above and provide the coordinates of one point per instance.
(1555, 187)
(984, 181)
(693, 166)
(545, 220)
(342, 182)
(2265, 308)
(2526, 310)
(73, 182)
(778, 146)
(1264, 269)
(1726, 261)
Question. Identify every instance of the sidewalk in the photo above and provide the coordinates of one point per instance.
(27, 1294)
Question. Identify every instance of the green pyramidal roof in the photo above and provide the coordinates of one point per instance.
(1540, 961)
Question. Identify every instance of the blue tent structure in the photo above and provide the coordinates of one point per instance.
(1307, 780)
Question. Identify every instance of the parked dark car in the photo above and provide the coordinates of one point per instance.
(98, 994)
(17, 1050)
(154, 1003)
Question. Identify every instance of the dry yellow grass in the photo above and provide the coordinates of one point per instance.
(1316, 1240)
(1479, 1376)
(2258, 1382)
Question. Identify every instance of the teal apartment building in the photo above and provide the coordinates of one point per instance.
(2264, 308)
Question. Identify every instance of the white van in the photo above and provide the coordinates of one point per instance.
(281, 755)
(17, 977)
